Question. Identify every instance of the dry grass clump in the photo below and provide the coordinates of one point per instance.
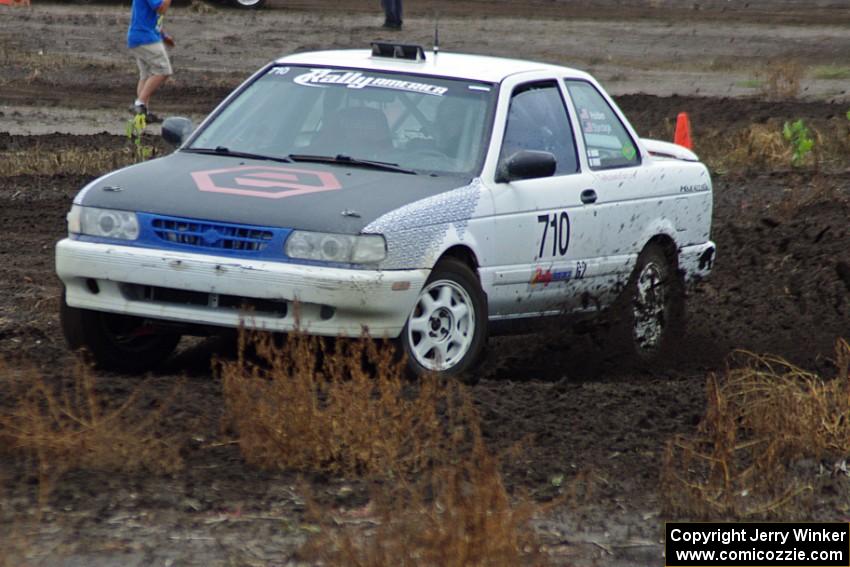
(59, 429)
(782, 79)
(763, 419)
(345, 407)
(339, 407)
(66, 161)
(459, 516)
(758, 146)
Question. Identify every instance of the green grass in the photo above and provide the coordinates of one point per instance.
(831, 72)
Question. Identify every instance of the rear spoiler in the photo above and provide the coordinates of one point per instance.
(661, 149)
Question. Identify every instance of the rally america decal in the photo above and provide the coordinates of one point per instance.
(357, 80)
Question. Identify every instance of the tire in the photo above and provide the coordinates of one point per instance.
(248, 4)
(446, 332)
(651, 311)
(116, 342)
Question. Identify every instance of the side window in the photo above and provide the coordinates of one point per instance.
(537, 120)
(606, 139)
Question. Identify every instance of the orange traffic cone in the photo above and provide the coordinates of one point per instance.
(683, 131)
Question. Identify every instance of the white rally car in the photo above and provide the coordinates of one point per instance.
(430, 198)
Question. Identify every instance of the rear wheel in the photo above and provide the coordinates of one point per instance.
(116, 342)
(652, 310)
(446, 331)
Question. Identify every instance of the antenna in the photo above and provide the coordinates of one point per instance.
(436, 35)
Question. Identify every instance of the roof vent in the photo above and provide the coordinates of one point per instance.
(398, 51)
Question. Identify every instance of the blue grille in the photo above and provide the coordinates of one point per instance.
(214, 236)
(222, 238)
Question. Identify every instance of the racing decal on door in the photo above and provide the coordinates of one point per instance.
(268, 182)
(543, 277)
(556, 230)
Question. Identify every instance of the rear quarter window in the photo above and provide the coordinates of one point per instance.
(607, 142)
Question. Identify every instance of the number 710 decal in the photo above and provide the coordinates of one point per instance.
(560, 225)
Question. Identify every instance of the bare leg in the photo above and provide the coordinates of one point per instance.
(140, 87)
(148, 87)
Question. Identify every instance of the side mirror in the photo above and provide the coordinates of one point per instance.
(176, 129)
(526, 164)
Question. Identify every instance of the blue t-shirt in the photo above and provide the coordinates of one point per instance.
(145, 23)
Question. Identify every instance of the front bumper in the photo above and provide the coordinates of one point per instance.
(215, 290)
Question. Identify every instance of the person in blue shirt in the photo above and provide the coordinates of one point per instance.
(147, 42)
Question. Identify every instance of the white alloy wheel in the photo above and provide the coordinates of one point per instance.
(441, 327)
(249, 4)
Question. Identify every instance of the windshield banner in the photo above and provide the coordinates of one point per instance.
(357, 80)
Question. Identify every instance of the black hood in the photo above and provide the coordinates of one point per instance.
(306, 196)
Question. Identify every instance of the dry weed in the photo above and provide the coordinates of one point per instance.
(201, 7)
(781, 79)
(469, 521)
(339, 407)
(762, 419)
(41, 62)
(758, 146)
(345, 407)
(68, 428)
(69, 161)
(460, 515)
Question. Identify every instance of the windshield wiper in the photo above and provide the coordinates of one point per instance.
(225, 151)
(348, 160)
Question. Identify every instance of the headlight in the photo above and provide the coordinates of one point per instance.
(105, 223)
(324, 247)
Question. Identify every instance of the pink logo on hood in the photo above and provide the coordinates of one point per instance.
(268, 182)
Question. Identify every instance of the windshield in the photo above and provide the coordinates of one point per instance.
(416, 122)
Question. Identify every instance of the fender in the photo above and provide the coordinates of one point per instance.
(658, 226)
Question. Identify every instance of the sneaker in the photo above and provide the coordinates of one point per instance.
(395, 26)
(138, 109)
(152, 118)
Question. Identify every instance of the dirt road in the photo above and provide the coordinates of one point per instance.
(66, 70)
(780, 284)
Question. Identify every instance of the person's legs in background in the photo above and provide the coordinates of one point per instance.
(154, 70)
(393, 15)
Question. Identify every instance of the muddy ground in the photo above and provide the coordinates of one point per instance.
(781, 282)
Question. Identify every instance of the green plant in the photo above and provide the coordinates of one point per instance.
(831, 72)
(801, 140)
(135, 128)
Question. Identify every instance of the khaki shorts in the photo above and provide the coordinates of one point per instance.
(152, 59)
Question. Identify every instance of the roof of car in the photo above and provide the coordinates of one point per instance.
(452, 65)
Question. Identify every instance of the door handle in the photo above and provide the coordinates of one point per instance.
(588, 196)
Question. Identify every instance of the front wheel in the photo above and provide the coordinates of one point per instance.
(652, 309)
(116, 342)
(446, 331)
